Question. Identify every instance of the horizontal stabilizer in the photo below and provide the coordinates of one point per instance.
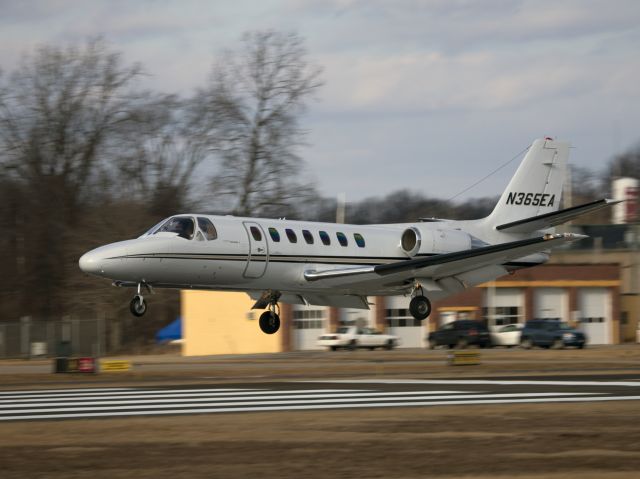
(548, 220)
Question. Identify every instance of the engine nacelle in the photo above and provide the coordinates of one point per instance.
(433, 241)
(411, 241)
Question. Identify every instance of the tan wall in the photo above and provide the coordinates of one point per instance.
(630, 305)
(216, 323)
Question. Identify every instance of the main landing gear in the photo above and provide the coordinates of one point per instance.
(269, 320)
(420, 306)
(138, 306)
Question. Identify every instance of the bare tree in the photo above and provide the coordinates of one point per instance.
(249, 116)
(158, 166)
(63, 116)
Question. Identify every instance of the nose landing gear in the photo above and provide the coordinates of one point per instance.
(138, 306)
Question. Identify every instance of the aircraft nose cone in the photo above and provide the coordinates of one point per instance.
(91, 263)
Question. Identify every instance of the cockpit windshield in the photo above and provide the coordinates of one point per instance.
(186, 227)
(183, 225)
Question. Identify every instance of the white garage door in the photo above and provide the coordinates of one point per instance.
(400, 322)
(308, 325)
(550, 303)
(594, 314)
(503, 306)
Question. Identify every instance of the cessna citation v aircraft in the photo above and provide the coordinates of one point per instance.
(341, 265)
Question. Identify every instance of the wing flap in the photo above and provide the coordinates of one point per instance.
(450, 264)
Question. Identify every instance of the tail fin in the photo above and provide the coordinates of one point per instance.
(536, 188)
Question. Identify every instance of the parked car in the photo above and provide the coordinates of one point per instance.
(352, 337)
(461, 333)
(551, 333)
(508, 335)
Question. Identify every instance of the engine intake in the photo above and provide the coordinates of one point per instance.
(410, 241)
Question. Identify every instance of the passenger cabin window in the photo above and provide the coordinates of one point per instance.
(183, 225)
(308, 237)
(255, 232)
(291, 235)
(275, 236)
(359, 239)
(342, 239)
(207, 228)
(324, 236)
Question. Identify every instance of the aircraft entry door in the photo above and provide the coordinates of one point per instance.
(258, 251)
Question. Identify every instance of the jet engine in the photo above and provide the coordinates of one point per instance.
(434, 241)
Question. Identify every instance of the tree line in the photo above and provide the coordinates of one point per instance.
(89, 156)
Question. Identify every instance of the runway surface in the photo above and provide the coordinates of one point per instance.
(57, 404)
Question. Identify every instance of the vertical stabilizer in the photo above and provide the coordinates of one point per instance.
(536, 188)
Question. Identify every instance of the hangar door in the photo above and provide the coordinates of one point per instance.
(308, 326)
(503, 306)
(550, 303)
(400, 322)
(595, 314)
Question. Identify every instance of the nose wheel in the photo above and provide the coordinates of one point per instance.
(138, 305)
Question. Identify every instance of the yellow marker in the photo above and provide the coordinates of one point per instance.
(463, 358)
(113, 365)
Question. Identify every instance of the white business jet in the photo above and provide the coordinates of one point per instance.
(341, 265)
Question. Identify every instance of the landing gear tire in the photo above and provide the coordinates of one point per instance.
(420, 307)
(269, 322)
(138, 306)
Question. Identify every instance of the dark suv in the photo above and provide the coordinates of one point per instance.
(461, 333)
(551, 333)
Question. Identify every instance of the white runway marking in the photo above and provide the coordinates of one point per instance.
(499, 382)
(116, 402)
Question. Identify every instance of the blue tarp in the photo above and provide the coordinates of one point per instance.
(170, 332)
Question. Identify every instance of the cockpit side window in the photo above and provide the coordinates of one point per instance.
(183, 225)
(207, 228)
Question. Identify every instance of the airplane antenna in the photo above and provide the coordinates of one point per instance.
(490, 174)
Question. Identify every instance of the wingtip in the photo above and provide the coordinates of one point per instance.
(567, 236)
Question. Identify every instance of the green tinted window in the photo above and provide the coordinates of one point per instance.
(275, 236)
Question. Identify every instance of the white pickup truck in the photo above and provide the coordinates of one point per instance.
(352, 337)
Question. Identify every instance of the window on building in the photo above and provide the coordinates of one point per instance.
(308, 237)
(324, 237)
(342, 239)
(308, 319)
(275, 236)
(255, 232)
(401, 318)
(359, 239)
(291, 235)
(502, 315)
(592, 320)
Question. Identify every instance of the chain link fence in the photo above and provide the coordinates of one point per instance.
(28, 338)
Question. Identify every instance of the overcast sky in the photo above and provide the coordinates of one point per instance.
(427, 95)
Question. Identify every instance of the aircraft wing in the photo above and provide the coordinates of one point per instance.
(535, 223)
(449, 264)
